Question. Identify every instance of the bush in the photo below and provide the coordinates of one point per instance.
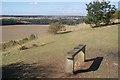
(25, 40)
(3, 47)
(12, 43)
(9, 44)
(55, 27)
(35, 45)
(32, 36)
(23, 48)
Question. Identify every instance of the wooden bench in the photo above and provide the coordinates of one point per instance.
(77, 51)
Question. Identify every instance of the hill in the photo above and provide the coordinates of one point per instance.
(48, 59)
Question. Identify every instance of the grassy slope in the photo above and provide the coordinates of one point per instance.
(100, 42)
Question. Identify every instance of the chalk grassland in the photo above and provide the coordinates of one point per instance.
(48, 60)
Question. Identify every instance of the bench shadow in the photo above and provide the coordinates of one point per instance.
(95, 65)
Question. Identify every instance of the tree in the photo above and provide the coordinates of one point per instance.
(99, 13)
(116, 14)
(55, 27)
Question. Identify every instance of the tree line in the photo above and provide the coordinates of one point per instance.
(11, 22)
(41, 21)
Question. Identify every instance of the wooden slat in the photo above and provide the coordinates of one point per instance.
(76, 50)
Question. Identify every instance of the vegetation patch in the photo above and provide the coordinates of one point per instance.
(23, 48)
(99, 13)
(34, 45)
(55, 27)
(28, 47)
(13, 43)
(11, 22)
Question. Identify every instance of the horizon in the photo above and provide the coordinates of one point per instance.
(46, 8)
(36, 15)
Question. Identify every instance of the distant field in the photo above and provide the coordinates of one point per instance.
(49, 60)
(14, 32)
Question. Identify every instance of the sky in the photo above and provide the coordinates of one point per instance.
(45, 8)
(53, 0)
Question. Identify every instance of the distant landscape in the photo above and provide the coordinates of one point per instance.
(25, 25)
(39, 19)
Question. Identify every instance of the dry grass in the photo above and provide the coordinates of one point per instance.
(51, 50)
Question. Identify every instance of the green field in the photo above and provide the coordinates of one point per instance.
(48, 59)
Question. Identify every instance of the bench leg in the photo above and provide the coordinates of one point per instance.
(83, 50)
(69, 66)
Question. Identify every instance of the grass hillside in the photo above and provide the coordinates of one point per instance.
(48, 59)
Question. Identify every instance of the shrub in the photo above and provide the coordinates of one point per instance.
(55, 27)
(35, 45)
(20, 42)
(9, 44)
(3, 47)
(32, 36)
(25, 39)
(23, 48)
(12, 43)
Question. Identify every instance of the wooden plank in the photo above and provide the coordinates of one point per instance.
(72, 53)
(79, 46)
(76, 50)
